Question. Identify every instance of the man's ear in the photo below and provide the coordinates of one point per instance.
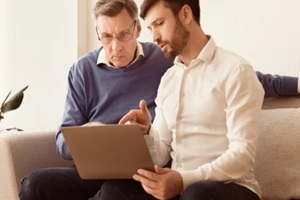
(186, 14)
(96, 29)
(138, 28)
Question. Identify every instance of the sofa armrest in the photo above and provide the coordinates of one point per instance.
(23, 152)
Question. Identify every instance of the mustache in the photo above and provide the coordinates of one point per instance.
(161, 43)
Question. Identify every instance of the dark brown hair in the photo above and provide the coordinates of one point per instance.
(174, 5)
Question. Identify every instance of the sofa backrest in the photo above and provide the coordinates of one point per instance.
(277, 166)
(281, 102)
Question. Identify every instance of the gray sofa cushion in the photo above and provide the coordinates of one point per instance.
(277, 165)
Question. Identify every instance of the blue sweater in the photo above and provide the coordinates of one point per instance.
(275, 85)
(105, 94)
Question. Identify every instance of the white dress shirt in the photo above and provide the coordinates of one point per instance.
(207, 117)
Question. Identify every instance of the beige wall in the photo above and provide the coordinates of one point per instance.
(266, 33)
(87, 39)
(38, 46)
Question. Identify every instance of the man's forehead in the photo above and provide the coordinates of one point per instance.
(123, 19)
(158, 12)
(115, 23)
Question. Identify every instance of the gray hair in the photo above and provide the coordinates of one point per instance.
(112, 8)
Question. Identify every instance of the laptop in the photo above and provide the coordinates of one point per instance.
(108, 151)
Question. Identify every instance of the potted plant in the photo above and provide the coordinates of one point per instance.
(11, 104)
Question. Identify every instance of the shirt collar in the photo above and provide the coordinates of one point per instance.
(103, 60)
(205, 54)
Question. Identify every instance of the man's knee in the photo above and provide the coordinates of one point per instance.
(123, 189)
(217, 190)
(30, 183)
(112, 186)
(37, 183)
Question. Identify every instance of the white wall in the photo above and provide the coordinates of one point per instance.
(39, 40)
(266, 33)
(87, 38)
(38, 45)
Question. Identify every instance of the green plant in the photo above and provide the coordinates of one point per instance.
(11, 104)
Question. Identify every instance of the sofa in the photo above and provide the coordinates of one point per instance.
(23, 152)
(277, 166)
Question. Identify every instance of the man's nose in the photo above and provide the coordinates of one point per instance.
(116, 44)
(155, 35)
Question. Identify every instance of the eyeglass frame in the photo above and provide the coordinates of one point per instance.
(111, 37)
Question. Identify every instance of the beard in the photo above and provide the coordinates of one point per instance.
(179, 40)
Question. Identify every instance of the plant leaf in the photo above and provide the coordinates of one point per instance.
(5, 101)
(14, 128)
(10, 129)
(14, 102)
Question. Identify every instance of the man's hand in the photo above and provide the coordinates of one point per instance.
(141, 117)
(164, 183)
(93, 124)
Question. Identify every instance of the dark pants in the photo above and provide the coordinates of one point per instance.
(132, 190)
(58, 184)
(65, 184)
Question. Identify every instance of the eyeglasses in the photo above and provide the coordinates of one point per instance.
(123, 36)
